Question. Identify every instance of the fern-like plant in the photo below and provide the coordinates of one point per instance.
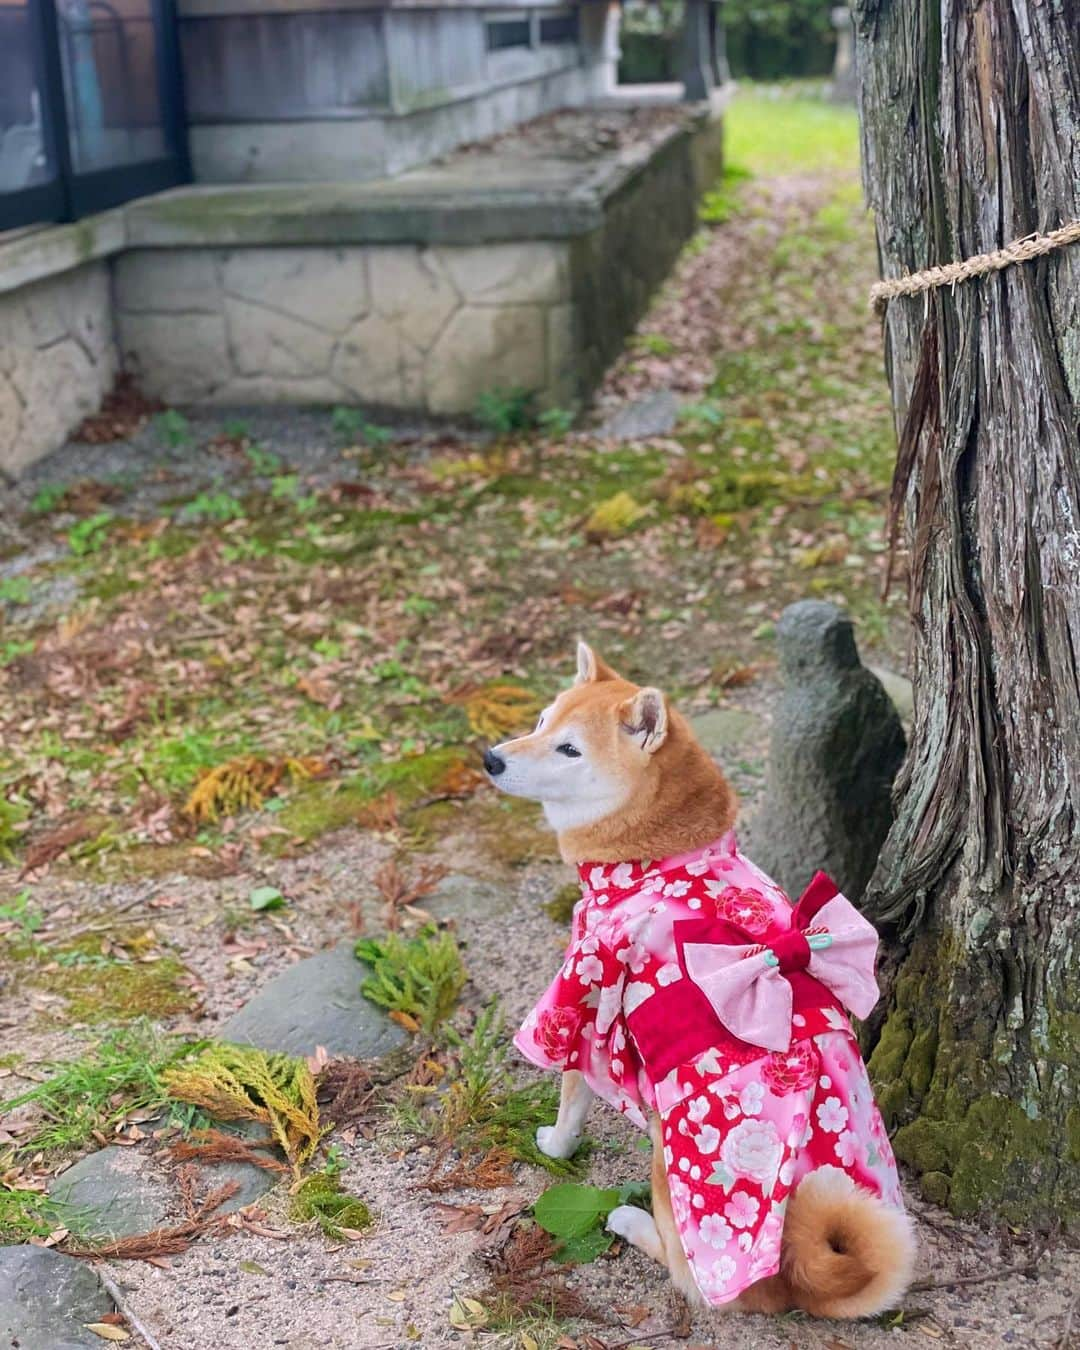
(421, 977)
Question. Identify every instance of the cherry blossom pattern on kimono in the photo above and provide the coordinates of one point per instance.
(741, 1125)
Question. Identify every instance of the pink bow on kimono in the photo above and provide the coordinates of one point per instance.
(747, 982)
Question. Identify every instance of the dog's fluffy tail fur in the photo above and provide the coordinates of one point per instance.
(845, 1252)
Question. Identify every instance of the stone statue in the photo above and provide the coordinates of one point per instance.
(837, 743)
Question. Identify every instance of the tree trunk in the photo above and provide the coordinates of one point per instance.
(971, 138)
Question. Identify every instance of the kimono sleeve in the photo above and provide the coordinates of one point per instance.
(578, 1024)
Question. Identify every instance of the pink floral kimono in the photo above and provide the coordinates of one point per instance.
(693, 988)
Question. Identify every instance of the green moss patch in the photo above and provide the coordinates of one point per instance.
(98, 988)
(321, 1198)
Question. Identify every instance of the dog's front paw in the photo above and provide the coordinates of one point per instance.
(636, 1225)
(553, 1144)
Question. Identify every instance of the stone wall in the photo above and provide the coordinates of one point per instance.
(57, 360)
(392, 326)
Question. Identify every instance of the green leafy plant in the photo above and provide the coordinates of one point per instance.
(262, 461)
(26, 917)
(421, 977)
(173, 428)
(576, 1215)
(12, 814)
(89, 535)
(338, 1214)
(47, 498)
(556, 422)
(12, 649)
(655, 344)
(266, 897)
(346, 424)
(724, 201)
(505, 411)
(124, 1071)
(220, 506)
(15, 590)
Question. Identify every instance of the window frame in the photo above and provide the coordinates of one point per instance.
(69, 194)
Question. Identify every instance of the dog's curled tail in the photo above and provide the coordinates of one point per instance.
(845, 1252)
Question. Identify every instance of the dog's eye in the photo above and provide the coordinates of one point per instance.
(570, 751)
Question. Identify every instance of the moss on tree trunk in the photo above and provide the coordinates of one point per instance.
(971, 138)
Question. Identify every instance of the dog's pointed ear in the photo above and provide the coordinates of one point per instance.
(645, 717)
(591, 667)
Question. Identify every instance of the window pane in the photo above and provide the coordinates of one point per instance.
(23, 158)
(110, 82)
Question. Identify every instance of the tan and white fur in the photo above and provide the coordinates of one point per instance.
(621, 777)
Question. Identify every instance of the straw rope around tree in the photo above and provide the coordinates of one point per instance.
(1020, 250)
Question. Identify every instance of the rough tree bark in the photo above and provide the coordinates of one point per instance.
(971, 138)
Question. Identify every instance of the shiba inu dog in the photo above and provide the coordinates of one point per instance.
(698, 1001)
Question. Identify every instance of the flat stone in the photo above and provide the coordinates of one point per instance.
(653, 415)
(120, 1192)
(722, 729)
(316, 1002)
(899, 689)
(47, 1298)
(461, 896)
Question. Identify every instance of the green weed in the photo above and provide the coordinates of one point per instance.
(47, 498)
(14, 648)
(483, 1109)
(556, 422)
(262, 461)
(723, 202)
(25, 1215)
(89, 535)
(15, 590)
(350, 426)
(12, 813)
(505, 411)
(173, 428)
(422, 976)
(123, 1072)
(346, 424)
(26, 917)
(217, 506)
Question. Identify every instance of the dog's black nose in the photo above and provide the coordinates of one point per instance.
(494, 763)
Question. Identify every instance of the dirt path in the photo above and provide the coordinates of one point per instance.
(315, 586)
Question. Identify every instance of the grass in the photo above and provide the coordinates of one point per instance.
(25, 1215)
(420, 978)
(483, 1109)
(123, 1072)
(778, 131)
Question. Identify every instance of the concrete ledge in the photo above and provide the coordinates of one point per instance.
(523, 262)
(470, 199)
(34, 255)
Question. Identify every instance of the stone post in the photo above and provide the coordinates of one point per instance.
(836, 745)
(697, 57)
(843, 75)
(598, 27)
